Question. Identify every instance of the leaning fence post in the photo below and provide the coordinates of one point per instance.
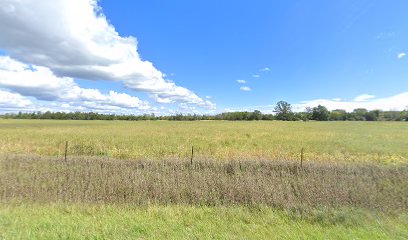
(66, 150)
(192, 155)
(301, 157)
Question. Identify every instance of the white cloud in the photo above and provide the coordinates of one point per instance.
(74, 39)
(13, 100)
(401, 55)
(256, 76)
(245, 89)
(241, 81)
(363, 97)
(185, 108)
(42, 84)
(397, 102)
(266, 69)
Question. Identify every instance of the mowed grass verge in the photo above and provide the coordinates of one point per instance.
(373, 142)
(56, 221)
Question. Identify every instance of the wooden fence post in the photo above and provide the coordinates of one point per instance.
(192, 155)
(301, 157)
(66, 150)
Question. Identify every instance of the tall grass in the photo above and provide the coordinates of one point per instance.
(205, 182)
(115, 222)
(384, 142)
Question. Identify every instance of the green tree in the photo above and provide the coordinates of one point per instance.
(404, 114)
(320, 113)
(338, 115)
(283, 111)
(360, 114)
(256, 115)
(372, 115)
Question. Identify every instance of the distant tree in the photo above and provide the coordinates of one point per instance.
(283, 111)
(359, 114)
(309, 112)
(320, 113)
(405, 114)
(256, 115)
(268, 117)
(391, 116)
(338, 115)
(372, 115)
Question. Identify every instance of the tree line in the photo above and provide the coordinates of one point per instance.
(282, 111)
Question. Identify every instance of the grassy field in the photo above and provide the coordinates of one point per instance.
(374, 142)
(134, 180)
(28, 221)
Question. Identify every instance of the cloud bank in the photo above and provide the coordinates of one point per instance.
(363, 97)
(41, 84)
(397, 102)
(13, 101)
(73, 39)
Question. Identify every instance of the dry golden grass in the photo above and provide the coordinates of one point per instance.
(384, 142)
(205, 182)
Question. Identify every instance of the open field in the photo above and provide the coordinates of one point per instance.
(134, 180)
(373, 142)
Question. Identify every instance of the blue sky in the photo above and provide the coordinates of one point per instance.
(315, 52)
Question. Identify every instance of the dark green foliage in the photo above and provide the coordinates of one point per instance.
(338, 115)
(372, 115)
(404, 114)
(283, 111)
(320, 113)
(256, 115)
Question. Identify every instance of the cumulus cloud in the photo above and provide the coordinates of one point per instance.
(245, 89)
(13, 100)
(397, 102)
(266, 69)
(363, 97)
(74, 39)
(241, 81)
(42, 84)
(401, 55)
(256, 76)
